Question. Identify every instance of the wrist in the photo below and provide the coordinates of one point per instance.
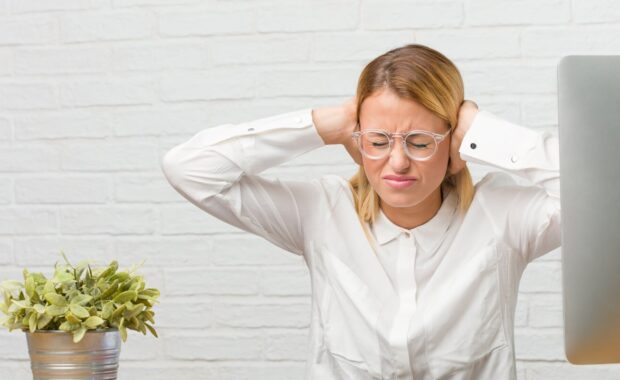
(467, 115)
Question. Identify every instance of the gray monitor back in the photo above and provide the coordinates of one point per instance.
(589, 135)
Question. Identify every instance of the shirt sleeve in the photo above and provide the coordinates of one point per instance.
(527, 216)
(218, 171)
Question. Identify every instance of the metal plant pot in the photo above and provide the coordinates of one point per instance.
(53, 355)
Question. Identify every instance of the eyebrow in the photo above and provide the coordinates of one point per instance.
(405, 132)
(410, 130)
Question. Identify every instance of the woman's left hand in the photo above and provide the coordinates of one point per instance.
(467, 112)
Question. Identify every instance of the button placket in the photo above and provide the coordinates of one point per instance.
(407, 289)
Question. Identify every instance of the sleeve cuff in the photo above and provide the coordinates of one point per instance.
(497, 142)
(299, 119)
(271, 141)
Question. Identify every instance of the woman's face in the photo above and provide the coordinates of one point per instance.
(385, 110)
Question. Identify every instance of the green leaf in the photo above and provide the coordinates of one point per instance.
(129, 295)
(62, 275)
(118, 312)
(134, 310)
(22, 304)
(39, 308)
(107, 310)
(55, 311)
(81, 299)
(145, 302)
(71, 318)
(120, 276)
(139, 326)
(32, 322)
(80, 268)
(79, 334)
(110, 270)
(149, 316)
(36, 297)
(43, 321)
(109, 291)
(56, 299)
(49, 287)
(150, 292)
(122, 330)
(152, 330)
(30, 285)
(79, 311)
(39, 278)
(68, 326)
(93, 322)
(14, 309)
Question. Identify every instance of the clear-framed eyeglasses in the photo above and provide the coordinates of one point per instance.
(419, 145)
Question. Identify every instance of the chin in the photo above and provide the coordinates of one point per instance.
(400, 200)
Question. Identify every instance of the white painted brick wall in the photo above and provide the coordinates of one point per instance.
(94, 92)
(24, 30)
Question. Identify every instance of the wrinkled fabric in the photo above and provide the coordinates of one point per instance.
(433, 302)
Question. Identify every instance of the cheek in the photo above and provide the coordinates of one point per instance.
(373, 170)
(434, 170)
(443, 156)
(437, 168)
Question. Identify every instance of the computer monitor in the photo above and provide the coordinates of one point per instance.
(589, 136)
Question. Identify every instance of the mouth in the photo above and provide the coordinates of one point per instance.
(399, 184)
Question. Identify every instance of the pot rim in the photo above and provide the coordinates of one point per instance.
(107, 330)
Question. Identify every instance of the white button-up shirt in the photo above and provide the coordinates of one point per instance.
(433, 302)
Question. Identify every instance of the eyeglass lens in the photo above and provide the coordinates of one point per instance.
(377, 144)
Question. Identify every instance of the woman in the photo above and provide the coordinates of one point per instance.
(414, 270)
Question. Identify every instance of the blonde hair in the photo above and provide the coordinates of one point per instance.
(426, 76)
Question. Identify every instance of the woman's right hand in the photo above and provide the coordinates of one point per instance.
(336, 124)
(350, 107)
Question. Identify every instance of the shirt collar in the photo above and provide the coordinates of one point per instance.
(428, 235)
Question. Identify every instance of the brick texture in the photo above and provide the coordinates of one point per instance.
(94, 92)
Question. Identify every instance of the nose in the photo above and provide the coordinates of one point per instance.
(399, 161)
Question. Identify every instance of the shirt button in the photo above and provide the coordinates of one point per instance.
(472, 145)
(407, 234)
(250, 129)
(514, 158)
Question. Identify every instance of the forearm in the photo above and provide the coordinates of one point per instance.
(218, 171)
(216, 157)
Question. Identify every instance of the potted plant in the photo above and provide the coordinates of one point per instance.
(75, 320)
